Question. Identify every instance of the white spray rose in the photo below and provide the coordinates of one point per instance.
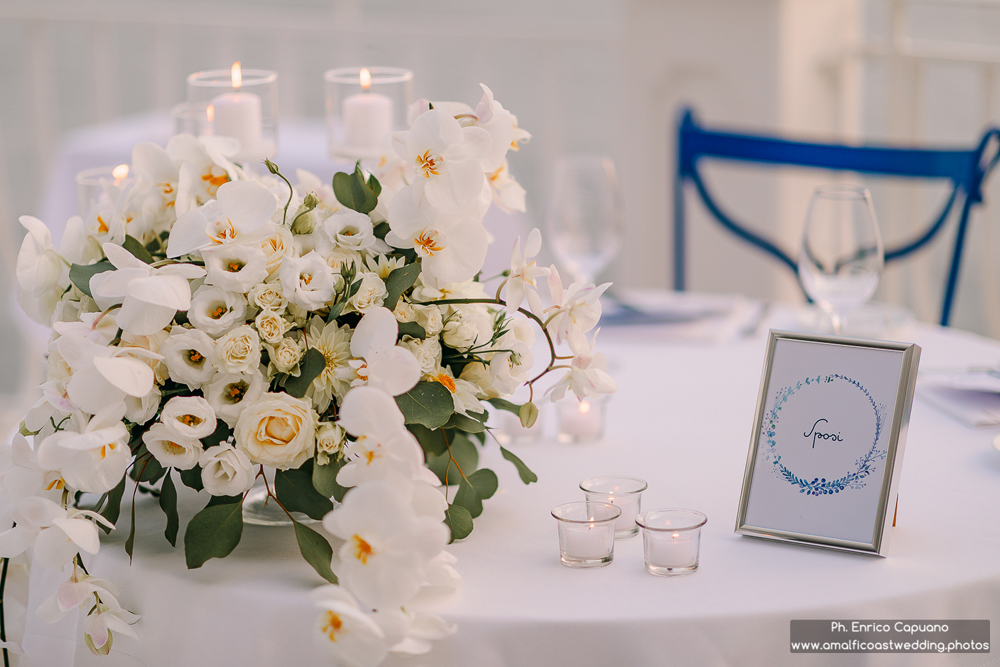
(370, 294)
(225, 470)
(277, 430)
(286, 355)
(330, 440)
(271, 326)
(427, 352)
(268, 296)
(429, 317)
(238, 351)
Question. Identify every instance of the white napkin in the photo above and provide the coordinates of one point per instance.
(979, 409)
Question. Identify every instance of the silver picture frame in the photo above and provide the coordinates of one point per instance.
(881, 506)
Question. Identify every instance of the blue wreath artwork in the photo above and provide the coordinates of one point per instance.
(821, 486)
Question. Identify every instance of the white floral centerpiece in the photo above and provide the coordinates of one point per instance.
(213, 328)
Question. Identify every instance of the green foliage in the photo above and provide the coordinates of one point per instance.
(429, 404)
(458, 519)
(137, 249)
(80, 275)
(192, 478)
(113, 509)
(130, 542)
(412, 329)
(528, 414)
(353, 192)
(168, 503)
(474, 489)
(485, 482)
(522, 470)
(313, 363)
(432, 441)
(324, 479)
(214, 531)
(220, 435)
(465, 423)
(501, 404)
(146, 469)
(465, 455)
(316, 551)
(295, 490)
(399, 281)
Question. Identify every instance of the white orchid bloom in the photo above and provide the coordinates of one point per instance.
(411, 633)
(308, 281)
(93, 327)
(93, 460)
(235, 267)
(149, 297)
(205, 166)
(104, 376)
(574, 311)
(154, 167)
(387, 545)
(345, 632)
(42, 271)
(511, 364)
(586, 377)
(524, 274)
(385, 365)
(452, 248)
(239, 213)
(448, 174)
(22, 476)
(99, 598)
(507, 193)
(216, 311)
(56, 533)
(492, 117)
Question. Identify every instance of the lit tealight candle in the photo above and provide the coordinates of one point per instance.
(367, 116)
(238, 114)
(120, 173)
(583, 420)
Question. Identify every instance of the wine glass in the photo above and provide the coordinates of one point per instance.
(841, 255)
(586, 219)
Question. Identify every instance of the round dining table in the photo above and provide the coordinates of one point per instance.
(682, 420)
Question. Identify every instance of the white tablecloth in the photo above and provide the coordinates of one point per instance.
(681, 420)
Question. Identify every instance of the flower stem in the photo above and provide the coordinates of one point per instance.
(3, 625)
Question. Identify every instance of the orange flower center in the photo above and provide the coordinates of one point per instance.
(428, 164)
(362, 550)
(447, 381)
(332, 625)
(428, 243)
(191, 420)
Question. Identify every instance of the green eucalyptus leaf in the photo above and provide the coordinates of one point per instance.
(324, 479)
(352, 191)
(458, 519)
(148, 470)
(213, 533)
(192, 478)
(137, 249)
(113, 509)
(464, 423)
(412, 329)
(374, 185)
(501, 404)
(80, 275)
(168, 503)
(220, 435)
(468, 498)
(316, 551)
(465, 455)
(296, 492)
(313, 363)
(399, 281)
(130, 542)
(522, 470)
(381, 229)
(429, 404)
(432, 441)
(485, 482)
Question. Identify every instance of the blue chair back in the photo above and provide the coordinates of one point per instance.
(966, 169)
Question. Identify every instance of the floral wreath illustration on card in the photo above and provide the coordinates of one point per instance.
(822, 486)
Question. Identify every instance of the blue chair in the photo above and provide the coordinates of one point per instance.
(966, 169)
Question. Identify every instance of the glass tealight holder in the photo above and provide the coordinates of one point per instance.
(240, 103)
(100, 188)
(670, 540)
(508, 429)
(624, 492)
(190, 119)
(586, 533)
(363, 106)
(581, 421)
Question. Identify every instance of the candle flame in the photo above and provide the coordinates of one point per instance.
(675, 535)
(120, 172)
(210, 113)
(237, 74)
(366, 79)
(584, 407)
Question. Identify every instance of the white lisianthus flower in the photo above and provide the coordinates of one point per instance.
(387, 545)
(268, 296)
(215, 311)
(429, 317)
(371, 294)
(346, 633)
(277, 430)
(307, 281)
(93, 460)
(276, 247)
(524, 274)
(171, 449)
(286, 355)
(271, 326)
(189, 417)
(330, 439)
(239, 213)
(238, 351)
(386, 366)
(188, 355)
(427, 352)
(586, 377)
(229, 393)
(225, 470)
(574, 312)
(348, 229)
(447, 157)
(235, 267)
(334, 342)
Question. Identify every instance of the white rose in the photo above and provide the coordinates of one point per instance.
(141, 410)
(479, 375)
(466, 330)
(404, 312)
(271, 326)
(427, 352)
(235, 267)
(238, 351)
(276, 247)
(370, 295)
(348, 229)
(215, 311)
(189, 417)
(308, 281)
(429, 317)
(337, 258)
(188, 355)
(229, 393)
(171, 449)
(330, 439)
(278, 430)
(268, 296)
(285, 356)
(225, 470)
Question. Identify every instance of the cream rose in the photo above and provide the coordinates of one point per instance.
(404, 312)
(278, 430)
(286, 355)
(370, 294)
(276, 247)
(427, 352)
(429, 317)
(271, 326)
(329, 441)
(225, 470)
(268, 296)
(238, 351)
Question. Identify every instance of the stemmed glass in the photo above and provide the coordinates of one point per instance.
(586, 219)
(841, 255)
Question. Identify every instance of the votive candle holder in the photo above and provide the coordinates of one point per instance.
(364, 105)
(586, 533)
(671, 540)
(240, 103)
(99, 189)
(624, 492)
(581, 421)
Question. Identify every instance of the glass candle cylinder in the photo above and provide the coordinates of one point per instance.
(100, 188)
(671, 540)
(581, 421)
(624, 492)
(586, 533)
(509, 430)
(364, 105)
(240, 103)
(190, 119)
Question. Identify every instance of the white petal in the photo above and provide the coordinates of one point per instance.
(366, 410)
(129, 375)
(395, 373)
(247, 204)
(456, 188)
(534, 243)
(377, 330)
(463, 255)
(53, 548)
(475, 146)
(188, 233)
(14, 541)
(82, 532)
(110, 287)
(122, 258)
(162, 290)
(153, 163)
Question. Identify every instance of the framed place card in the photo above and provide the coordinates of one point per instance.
(827, 443)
